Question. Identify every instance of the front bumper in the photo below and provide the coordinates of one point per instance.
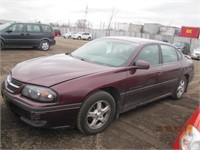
(48, 117)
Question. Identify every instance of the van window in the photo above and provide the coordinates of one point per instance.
(17, 28)
(33, 28)
(46, 28)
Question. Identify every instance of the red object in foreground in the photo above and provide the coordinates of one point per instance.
(191, 32)
(189, 136)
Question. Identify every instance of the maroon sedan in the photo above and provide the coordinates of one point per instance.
(91, 86)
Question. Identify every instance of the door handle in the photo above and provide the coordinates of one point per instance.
(22, 34)
(28, 34)
(159, 73)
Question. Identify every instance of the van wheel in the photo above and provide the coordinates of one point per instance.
(96, 113)
(89, 38)
(79, 38)
(44, 45)
(178, 93)
(2, 45)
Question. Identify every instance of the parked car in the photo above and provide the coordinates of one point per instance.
(184, 47)
(189, 136)
(94, 84)
(68, 35)
(57, 32)
(27, 34)
(196, 53)
(82, 35)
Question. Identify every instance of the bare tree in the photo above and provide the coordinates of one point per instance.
(113, 13)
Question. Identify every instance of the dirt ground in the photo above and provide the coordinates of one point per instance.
(154, 126)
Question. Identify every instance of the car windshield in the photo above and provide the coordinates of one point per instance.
(106, 52)
(3, 26)
(179, 44)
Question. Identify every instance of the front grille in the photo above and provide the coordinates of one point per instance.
(13, 84)
(16, 82)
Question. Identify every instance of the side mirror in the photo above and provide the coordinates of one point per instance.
(140, 64)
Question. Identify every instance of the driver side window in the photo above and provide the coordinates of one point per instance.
(17, 28)
(150, 54)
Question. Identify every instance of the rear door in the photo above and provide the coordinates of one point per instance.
(34, 34)
(172, 69)
(15, 35)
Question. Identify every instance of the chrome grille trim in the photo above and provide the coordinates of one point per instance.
(9, 81)
(12, 84)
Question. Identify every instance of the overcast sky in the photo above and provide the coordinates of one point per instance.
(166, 12)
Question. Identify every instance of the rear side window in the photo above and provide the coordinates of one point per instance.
(33, 28)
(46, 28)
(169, 54)
(17, 27)
(150, 54)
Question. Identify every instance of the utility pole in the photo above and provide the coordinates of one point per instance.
(86, 11)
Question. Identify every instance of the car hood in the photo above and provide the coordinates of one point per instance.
(48, 71)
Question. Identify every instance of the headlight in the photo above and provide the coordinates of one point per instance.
(39, 93)
(190, 139)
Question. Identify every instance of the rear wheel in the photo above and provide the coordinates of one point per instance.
(96, 113)
(178, 93)
(44, 45)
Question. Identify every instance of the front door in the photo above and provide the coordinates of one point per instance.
(143, 85)
(14, 35)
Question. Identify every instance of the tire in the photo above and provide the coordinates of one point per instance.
(2, 45)
(89, 38)
(96, 113)
(79, 38)
(180, 89)
(44, 45)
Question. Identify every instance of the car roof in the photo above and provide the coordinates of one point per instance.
(135, 40)
(29, 23)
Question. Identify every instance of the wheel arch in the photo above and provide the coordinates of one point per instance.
(114, 92)
(43, 39)
(187, 78)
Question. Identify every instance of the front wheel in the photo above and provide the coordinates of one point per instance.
(2, 45)
(44, 45)
(79, 38)
(96, 113)
(178, 93)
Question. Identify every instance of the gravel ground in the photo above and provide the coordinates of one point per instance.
(154, 126)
